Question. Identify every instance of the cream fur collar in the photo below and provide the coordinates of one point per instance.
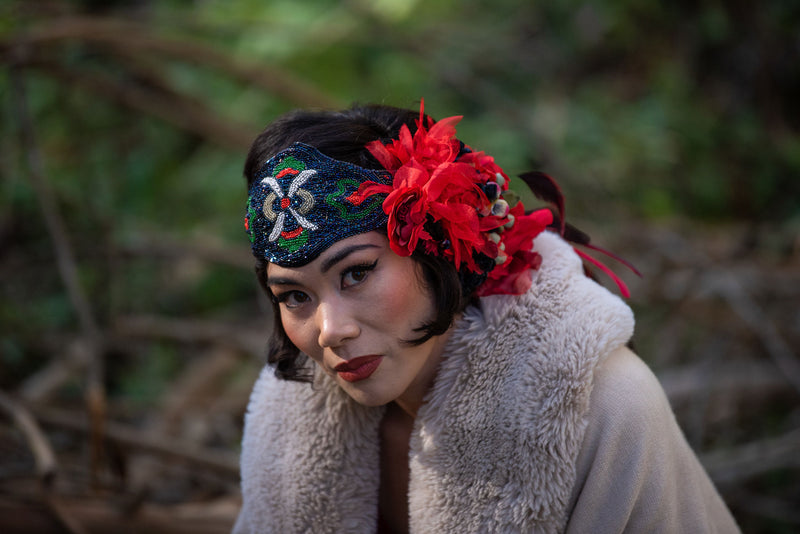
(493, 447)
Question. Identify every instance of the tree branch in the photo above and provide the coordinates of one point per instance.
(39, 445)
(732, 466)
(133, 36)
(177, 111)
(224, 463)
(65, 260)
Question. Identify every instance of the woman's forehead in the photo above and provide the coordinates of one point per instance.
(334, 254)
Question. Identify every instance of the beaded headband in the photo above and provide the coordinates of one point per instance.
(301, 202)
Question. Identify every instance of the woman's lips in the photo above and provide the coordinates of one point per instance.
(358, 368)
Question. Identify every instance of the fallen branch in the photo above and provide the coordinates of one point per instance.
(166, 247)
(40, 386)
(38, 443)
(45, 461)
(97, 515)
(188, 391)
(746, 379)
(738, 464)
(194, 388)
(224, 463)
(725, 285)
(247, 340)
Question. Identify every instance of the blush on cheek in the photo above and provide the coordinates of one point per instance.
(405, 303)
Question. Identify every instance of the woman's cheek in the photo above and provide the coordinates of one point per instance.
(406, 301)
(297, 332)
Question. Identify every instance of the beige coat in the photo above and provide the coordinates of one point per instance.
(539, 421)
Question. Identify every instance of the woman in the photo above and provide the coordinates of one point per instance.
(439, 360)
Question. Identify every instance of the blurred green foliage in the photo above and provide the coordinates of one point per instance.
(663, 108)
(142, 111)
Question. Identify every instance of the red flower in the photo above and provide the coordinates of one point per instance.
(513, 277)
(430, 185)
(407, 224)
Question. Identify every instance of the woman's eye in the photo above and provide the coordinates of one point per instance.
(356, 274)
(354, 277)
(292, 299)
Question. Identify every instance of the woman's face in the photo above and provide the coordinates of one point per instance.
(352, 310)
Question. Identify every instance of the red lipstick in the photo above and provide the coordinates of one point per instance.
(358, 368)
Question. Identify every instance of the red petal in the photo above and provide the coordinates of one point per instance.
(370, 188)
(445, 128)
(382, 154)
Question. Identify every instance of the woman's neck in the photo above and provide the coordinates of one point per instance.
(395, 433)
(412, 398)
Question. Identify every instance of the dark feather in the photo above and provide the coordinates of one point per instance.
(573, 235)
(546, 189)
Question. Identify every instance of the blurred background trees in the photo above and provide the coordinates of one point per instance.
(131, 328)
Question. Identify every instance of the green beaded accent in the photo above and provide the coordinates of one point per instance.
(294, 244)
(367, 207)
(252, 213)
(289, 162)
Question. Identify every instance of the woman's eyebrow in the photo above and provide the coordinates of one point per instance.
(342, 254)
(281, 281)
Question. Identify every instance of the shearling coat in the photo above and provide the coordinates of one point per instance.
(539, 421)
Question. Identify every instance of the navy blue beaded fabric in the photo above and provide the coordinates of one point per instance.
(301, 202)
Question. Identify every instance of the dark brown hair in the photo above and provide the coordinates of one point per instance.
(342, 135)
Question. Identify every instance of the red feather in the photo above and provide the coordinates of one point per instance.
(620, 284)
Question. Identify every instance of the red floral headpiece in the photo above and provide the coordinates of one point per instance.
(454, 202)
(449, 200)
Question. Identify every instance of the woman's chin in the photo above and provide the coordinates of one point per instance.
(364, 396)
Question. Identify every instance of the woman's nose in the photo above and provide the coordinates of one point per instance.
(336, 325)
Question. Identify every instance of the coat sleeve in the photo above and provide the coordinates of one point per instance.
(635, 471)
